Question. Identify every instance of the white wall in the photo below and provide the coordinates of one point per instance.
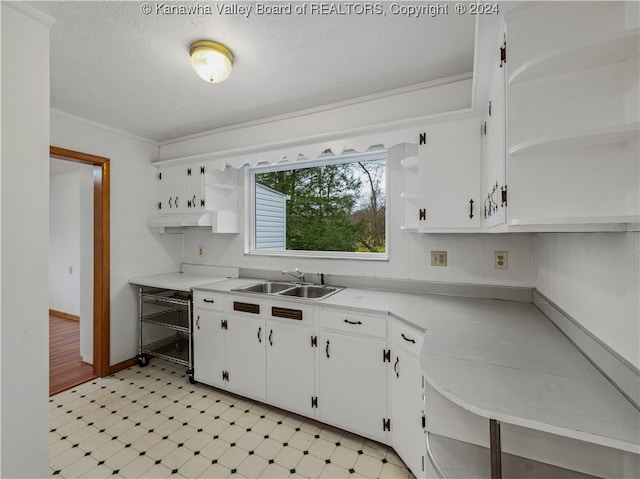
(64, 243)
(595, 278)
(134, 250)
(393, 109)
(24, 245)
(470, 256)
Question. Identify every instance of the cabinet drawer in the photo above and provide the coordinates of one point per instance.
(354, 323)
(407, 337)
(298, 313)
(205, 300)
(244, 306)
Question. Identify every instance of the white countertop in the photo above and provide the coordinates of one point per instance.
(501, 360)
(176, 281)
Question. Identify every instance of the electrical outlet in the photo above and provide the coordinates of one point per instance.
(200, 250)
(501, 259)
(438, 258)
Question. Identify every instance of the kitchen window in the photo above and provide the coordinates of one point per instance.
(334, 206)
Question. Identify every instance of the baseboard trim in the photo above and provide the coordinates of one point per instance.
(62, 314)
(115, 368)
(620, 372)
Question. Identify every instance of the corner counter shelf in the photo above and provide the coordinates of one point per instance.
(169, 311)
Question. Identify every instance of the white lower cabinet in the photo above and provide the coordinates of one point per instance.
(229, 352)
(407, 397)
(291, 367)
(407, 410)
(267, 351)
(208, 347)
(244, 356)
(248, 348)
(353, 374)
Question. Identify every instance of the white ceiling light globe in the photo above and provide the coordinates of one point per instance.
(212, 61)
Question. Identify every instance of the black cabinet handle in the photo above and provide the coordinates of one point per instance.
(270, 336)
(471, 208)
(176, 202)
(170, 198)
(409, 340)
(353, 322)
(193, 201)
(198, 322)
(259, 334)
(326, 350)
(208, 300)
(395, 367)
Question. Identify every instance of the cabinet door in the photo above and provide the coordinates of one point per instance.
(449, 171)
(353, 384)
(290, 367)
(407, 409)
(493, 209)
(245, 356)
(173, 189)
(208, 347)
(195, 175)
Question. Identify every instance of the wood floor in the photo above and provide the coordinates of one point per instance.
(66, 368)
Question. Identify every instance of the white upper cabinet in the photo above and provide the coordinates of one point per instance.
(441, 178)
(449, 172)
(173, 189)
(494, 183)
(572, 116)
(199, 188)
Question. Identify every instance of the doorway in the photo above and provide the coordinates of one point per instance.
(70, 274)
(101, 252)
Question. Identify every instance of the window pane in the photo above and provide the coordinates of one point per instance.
(338, 206)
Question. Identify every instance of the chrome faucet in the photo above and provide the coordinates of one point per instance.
(297, 274)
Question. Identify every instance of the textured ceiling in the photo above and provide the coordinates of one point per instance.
(114, 65)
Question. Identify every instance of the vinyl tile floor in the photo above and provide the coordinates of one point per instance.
(152, 423)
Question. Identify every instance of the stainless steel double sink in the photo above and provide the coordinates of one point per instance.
(296, 290)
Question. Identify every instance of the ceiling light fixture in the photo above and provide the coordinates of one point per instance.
(212, 61)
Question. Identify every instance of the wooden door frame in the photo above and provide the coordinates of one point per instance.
(101, 253)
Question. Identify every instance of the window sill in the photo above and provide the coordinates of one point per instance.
(322, 255)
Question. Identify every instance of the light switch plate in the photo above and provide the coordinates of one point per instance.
(501, 259)
(438, 258)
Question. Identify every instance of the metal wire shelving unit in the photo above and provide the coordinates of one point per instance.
(169, 311)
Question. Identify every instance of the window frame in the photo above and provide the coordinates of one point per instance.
(376, 153)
